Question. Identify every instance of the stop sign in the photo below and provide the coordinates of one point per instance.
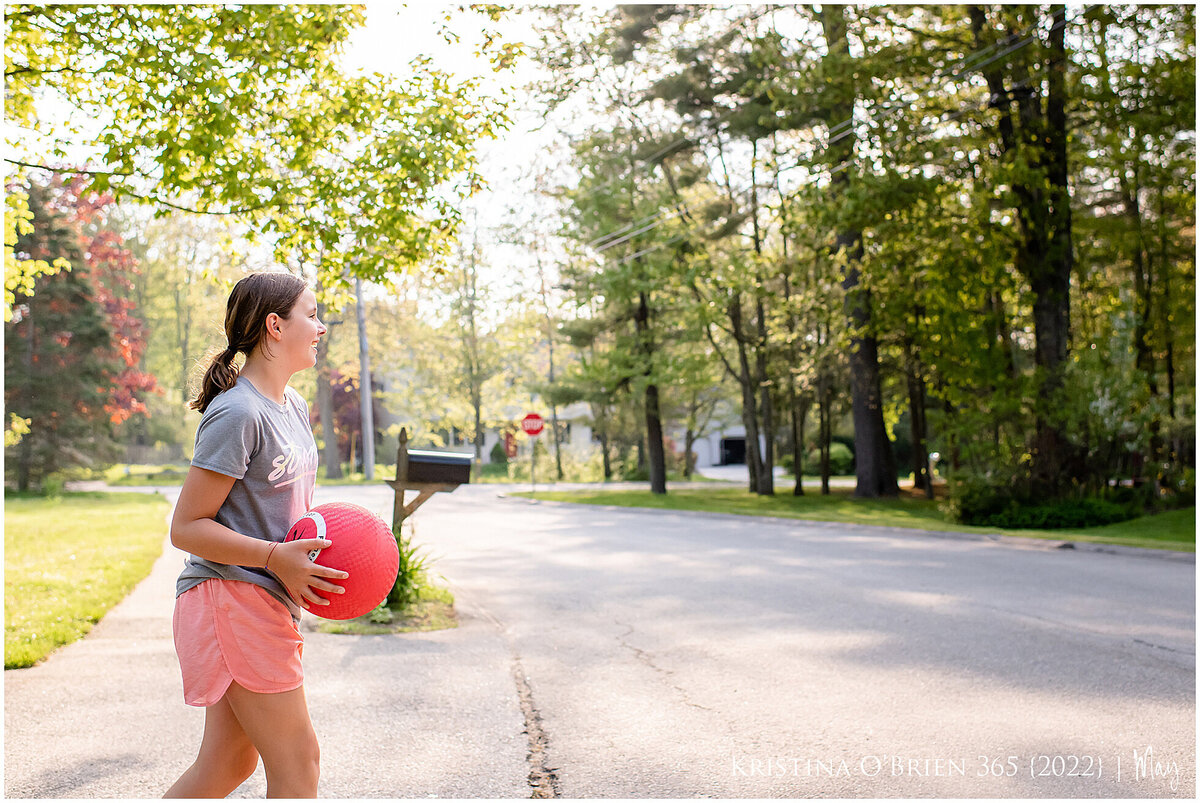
(532, 424)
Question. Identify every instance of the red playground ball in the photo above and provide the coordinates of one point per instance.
(363, 546)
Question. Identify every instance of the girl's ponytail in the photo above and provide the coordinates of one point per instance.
(221, 375)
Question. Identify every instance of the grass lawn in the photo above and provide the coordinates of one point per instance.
(136, 474)
(67, 560)
(1175, 529)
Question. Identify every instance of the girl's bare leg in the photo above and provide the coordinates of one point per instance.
(226, 757)
(278, 726)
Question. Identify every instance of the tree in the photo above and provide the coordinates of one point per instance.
(185, 120)
(1032, 131)
(114, 269)
(346, 414)
(1135, 101)
(608, 209)
(246, 114)
(873, 459)
(476, 356)
(927, 170)
(71, 345)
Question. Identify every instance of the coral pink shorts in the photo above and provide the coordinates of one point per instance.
(227, 631)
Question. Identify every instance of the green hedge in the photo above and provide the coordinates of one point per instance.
(1065, 514)
(977, 502)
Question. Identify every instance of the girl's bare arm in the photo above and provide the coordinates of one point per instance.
(195, 529)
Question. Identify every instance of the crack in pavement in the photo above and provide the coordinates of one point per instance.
(1083, 629)
(646, 658)
(543, 779)
(1164, 647)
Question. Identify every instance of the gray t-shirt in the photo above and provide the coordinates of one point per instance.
(268, 448)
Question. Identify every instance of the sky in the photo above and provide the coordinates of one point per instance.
(394, 35)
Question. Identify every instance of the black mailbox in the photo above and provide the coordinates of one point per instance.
(446, 467)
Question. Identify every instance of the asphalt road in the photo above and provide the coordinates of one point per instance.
(620, 653)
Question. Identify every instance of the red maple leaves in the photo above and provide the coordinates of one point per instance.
(113, 269)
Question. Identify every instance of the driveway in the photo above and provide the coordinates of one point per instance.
(608, 652)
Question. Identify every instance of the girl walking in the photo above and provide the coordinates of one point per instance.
(238, 599)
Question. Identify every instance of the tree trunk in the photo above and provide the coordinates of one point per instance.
(765, 476)
(689, 463)
(333, 455)
(766, 466)
(605, 459)
(600, 433)
(826, 430)
(874, 462)
(654, 440)
(797, 404)
(654, 430)
(916, 413)
(749, 399)
(799, 413)
(364, 385)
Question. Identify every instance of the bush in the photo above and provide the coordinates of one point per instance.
(841, 460)
(498, 455)
(1063, 514)
(1179, 487)
(975, 500)
(411, 574)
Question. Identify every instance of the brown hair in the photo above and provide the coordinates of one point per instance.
(253, 298)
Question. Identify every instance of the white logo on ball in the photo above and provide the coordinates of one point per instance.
(319, 521)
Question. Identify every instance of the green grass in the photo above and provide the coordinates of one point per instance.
(133, 474)
(68, 560)
(382, 472)
(127, 474)
(1171, 529)
(1175, 529)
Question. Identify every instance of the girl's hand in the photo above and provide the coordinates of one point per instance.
(289, 562)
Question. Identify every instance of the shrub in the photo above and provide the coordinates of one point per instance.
(983, 502)
(973, 500)
(841, 460)
(1062, 514)
(411, 574)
